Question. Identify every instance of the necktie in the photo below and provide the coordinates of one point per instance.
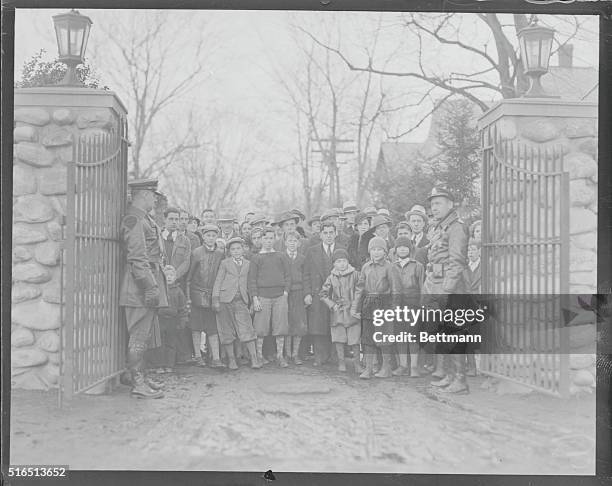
(328, 251)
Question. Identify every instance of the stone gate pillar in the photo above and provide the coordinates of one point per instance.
(572, 127)
(46, 123)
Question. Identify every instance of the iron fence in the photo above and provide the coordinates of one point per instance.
(94, 334)
(525, 262)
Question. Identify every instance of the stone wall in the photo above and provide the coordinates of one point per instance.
(47, 121)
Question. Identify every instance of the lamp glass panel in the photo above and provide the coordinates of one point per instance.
(61, 30)
(85, 40)
(76, 39)
(523, 52)
(546, 49)
(533, 53)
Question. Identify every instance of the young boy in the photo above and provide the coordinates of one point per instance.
(296, 308)
(338, 293)
(269, 282)
(172, 319)
(412, 275)
(205, 262)
(230, 299)
(378, 288)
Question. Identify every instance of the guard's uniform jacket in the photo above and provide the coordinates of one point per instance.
(145, 257)
(447, 257)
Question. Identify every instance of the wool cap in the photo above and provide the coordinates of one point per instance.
(377, 242)
(403, 241)
(339, 253)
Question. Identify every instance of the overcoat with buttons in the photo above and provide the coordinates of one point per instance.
(446, 258)
(141, 238)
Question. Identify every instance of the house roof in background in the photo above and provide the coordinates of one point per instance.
(572, 83)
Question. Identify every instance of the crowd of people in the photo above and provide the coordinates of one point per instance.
(280, 291)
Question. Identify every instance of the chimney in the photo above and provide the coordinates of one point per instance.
(566, 55)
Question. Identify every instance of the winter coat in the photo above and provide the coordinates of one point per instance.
(447, 257)
(339, 289)
(141, 238)
(202, 273)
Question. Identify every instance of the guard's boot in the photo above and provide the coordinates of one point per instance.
(446, 381)
(439, 371)
(385, 369)
(154, 384)
(142, 390)
(369, 364)
(125, 378)
(458, 386)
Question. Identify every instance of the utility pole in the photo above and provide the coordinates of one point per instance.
(328, 147)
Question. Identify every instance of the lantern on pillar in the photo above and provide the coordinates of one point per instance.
(536, 44)
(72, 33)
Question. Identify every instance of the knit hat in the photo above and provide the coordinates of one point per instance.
(339, 253)
(403, 241)
(377, 242)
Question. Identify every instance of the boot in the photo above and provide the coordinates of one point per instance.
(153, 384)
(141, 389)
(439, 371)
(369, 364)
(447, 380)
(401, 371)
(231, 357)
(458, 386)
(385, 369)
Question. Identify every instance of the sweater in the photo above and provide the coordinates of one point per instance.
(269, 275)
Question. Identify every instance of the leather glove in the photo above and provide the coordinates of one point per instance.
(152, 297)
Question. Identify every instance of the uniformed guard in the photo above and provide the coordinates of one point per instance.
(444, 282)
(143, 288)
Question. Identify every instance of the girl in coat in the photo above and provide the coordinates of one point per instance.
(338, 293)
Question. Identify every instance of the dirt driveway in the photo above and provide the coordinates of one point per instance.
(306, 419)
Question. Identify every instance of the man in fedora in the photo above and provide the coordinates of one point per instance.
(225, 221)
(287, 221)
(444, 286)
(349, 211)
(417, 219)
(259, 221)
(143, 288)
(315, 228)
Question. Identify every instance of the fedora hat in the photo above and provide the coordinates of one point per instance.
(417, 210)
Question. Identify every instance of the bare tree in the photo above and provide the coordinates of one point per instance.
(154, 61)
(213, 174)
(335, 115)
(500, 70)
